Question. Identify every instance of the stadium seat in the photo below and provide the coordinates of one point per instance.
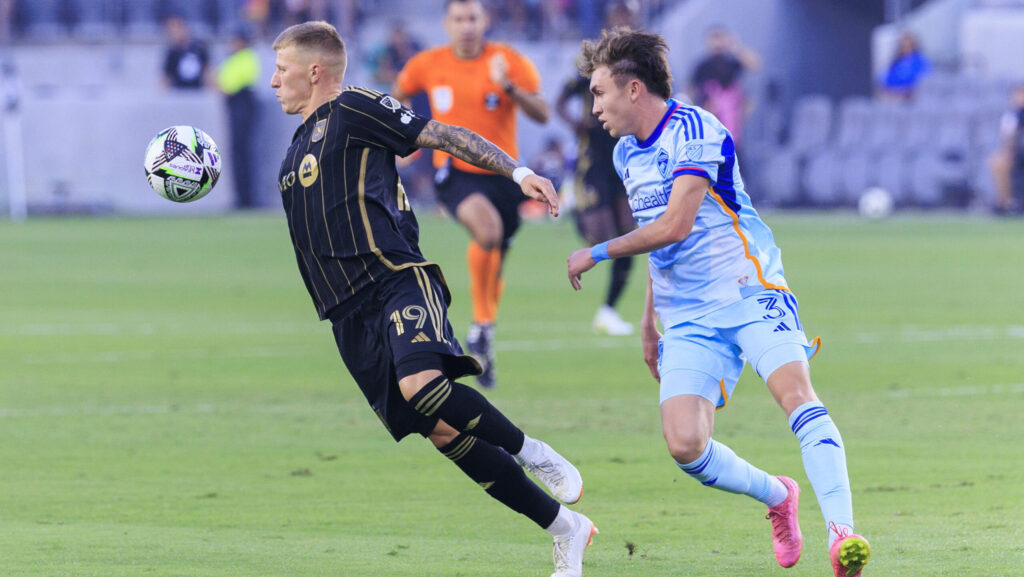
(937, 86)
(953, 137)
(779, 178)
(857, 173)
(855, 113)
(142, 19)
(92, 19)
(891, 174)
(921, 126)
(820, 178)
(42, 17)
(812, 124)
(885, 127)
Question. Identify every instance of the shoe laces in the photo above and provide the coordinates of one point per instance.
(548, 470)
(841, 532)
(563, 545)
(780, 529)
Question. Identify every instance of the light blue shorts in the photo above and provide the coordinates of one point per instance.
(705, 356)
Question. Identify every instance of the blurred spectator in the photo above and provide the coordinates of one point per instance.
(551, 162)
(257, 12)
(392, 56)
(1007, 163)
(716, 84)
(6, 17)
(621, 13)
(186, 59)
(236, 78)
(907, 68)
(416, 171)
(601, 208)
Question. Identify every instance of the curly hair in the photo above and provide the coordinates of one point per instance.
(629, 54)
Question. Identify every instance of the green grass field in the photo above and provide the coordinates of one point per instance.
(170, 406)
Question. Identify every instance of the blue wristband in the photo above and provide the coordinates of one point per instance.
(599, 252)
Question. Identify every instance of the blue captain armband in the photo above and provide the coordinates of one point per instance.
(599, 252)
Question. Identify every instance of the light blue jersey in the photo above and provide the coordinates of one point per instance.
(730, 254)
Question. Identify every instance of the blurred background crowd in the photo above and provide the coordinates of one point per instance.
(923, 99)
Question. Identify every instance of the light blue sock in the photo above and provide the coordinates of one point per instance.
(719, 467)
(825, 462)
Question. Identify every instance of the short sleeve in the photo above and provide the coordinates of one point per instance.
(381, 119)
(523, 72)
(701, 146)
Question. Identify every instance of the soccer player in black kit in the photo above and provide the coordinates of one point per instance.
(357, 245)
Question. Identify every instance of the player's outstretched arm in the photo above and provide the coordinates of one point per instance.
(673, 226)
(469, 146)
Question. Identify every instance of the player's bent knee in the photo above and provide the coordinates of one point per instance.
(411, 384)
(790, 384)
(443, 434)
(685, 447)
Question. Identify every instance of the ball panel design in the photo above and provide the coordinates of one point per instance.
(182, 163)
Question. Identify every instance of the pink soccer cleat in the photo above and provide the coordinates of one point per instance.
(787, 539)
(849, 554)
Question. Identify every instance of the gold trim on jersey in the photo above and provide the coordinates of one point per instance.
(367, 92)
(377, 120)
(348, 211)
(323, 205)
(403, 199)
(366, 222)
(434, 309)
(291, 232)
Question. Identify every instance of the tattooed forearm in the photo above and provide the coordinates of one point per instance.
(466, 145)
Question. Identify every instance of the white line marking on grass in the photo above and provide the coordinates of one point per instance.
(102, 411)
(144, 355)
(567, 344)
(956, 333)
(152, 355)
(964, 391)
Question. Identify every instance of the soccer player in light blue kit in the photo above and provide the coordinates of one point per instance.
(717, 285)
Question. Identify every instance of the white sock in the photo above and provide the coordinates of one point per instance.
(563, 524)
(531, 450)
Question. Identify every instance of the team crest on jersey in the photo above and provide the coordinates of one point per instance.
(694, 151)
(308, 170)
(319, 130)
(491, 101)
(390, 103)
(441, 98)
(663, 162)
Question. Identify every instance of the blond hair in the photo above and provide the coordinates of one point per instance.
(320, 39)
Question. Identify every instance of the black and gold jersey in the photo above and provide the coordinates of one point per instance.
(350, 221)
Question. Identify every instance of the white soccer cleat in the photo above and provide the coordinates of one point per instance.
(556, 473)
(609, 322)
(568, 550)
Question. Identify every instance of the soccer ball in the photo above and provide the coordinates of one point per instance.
(182, 163)
(875, 203)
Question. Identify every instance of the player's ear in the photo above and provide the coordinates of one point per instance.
(635, 89)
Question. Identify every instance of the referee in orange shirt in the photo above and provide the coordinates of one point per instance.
(478, 85)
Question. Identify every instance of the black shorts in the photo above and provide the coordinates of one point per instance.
(453, 186)
(602, 209)
(400, 329)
